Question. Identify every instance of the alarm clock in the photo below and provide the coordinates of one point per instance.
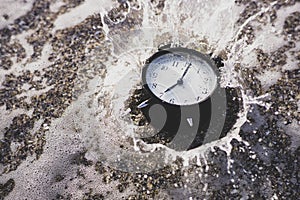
(178, 86)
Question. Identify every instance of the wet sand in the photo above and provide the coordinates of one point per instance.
(61, 65)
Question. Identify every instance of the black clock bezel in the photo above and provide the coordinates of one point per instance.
(171, 51)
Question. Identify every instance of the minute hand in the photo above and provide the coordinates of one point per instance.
(185, 71)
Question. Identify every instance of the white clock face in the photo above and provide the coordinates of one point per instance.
(180, 78)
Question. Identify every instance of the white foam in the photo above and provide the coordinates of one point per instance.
(81, 12)
(14, 9)
(219, 33)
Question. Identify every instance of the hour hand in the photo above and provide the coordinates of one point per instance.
(170, 88)
(179, 82)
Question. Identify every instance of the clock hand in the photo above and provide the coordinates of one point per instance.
(170, 88)
(179, 82)
(185, 71)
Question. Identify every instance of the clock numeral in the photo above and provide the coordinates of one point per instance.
(175, 64)
(164, 67)
(205, 91)
(206, 79)
(161, 94)
(172, 100)
(154, 75)
(154, 85)
(197, 98)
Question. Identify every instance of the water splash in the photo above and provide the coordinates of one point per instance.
(191, 25)
(197, 27)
